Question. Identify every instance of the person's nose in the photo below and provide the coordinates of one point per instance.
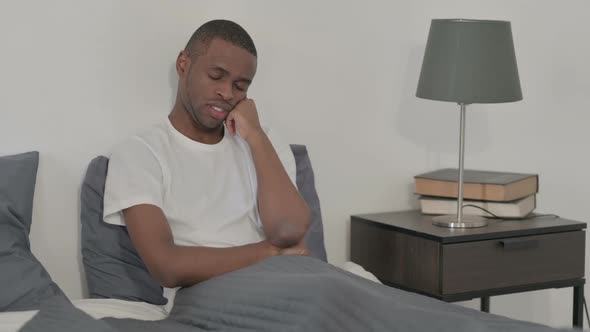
(225, 92)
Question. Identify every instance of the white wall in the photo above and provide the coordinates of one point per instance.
(340, 76)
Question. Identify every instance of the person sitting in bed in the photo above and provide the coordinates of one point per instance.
(208, 190)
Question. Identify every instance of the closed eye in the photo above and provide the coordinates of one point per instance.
(216, 74)
(241, 87)
(215, 77)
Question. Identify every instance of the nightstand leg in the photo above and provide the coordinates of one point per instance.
(485, 304)
(578, 314)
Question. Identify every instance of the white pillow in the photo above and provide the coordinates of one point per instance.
(359, 270)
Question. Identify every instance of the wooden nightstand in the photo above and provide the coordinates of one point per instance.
(405, 250)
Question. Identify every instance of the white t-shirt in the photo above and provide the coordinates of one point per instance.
(208, 193)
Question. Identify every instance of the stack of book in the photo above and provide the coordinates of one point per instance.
(506, 195)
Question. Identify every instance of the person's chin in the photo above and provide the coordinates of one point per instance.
(208, 122)
(215, 124)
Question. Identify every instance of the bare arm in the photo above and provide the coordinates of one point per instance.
(173, 265)
(283, 212)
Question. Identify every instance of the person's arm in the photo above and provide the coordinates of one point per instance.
(284, 214)
(173, 265)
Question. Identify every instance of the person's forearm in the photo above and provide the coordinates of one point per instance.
(186, 266)
(283, 212)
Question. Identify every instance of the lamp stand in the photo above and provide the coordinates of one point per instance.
(459, 220)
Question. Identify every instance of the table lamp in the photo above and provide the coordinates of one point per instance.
(468, 61)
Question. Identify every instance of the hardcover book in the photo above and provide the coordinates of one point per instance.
(514, 209)
(477, 184)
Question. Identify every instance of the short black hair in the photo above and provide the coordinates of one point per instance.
(223, 29)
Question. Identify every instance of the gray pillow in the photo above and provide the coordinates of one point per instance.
(24, 282)
(314, 238)
(113, 267)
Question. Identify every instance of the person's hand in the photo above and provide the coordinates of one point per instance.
(244, 120)
(299, 249)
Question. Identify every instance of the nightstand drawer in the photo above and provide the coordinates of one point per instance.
(507, 262)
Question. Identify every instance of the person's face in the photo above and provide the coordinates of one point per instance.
(213, 81)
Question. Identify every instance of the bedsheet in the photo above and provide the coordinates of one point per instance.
(101, 308)
(95, 308)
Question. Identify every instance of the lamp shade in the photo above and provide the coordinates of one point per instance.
(469, 61)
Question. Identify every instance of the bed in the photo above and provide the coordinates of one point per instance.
(284, 293)
(94, 308)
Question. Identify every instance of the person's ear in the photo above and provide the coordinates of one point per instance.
(182, 63)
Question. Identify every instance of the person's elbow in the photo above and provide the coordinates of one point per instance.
(167, 279)
(163, 269)
(291, 230)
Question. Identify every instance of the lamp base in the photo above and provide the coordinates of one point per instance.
(467, 221)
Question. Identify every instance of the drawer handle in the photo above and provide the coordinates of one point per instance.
(518, 244)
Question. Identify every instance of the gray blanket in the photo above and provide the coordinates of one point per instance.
(290, 293)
